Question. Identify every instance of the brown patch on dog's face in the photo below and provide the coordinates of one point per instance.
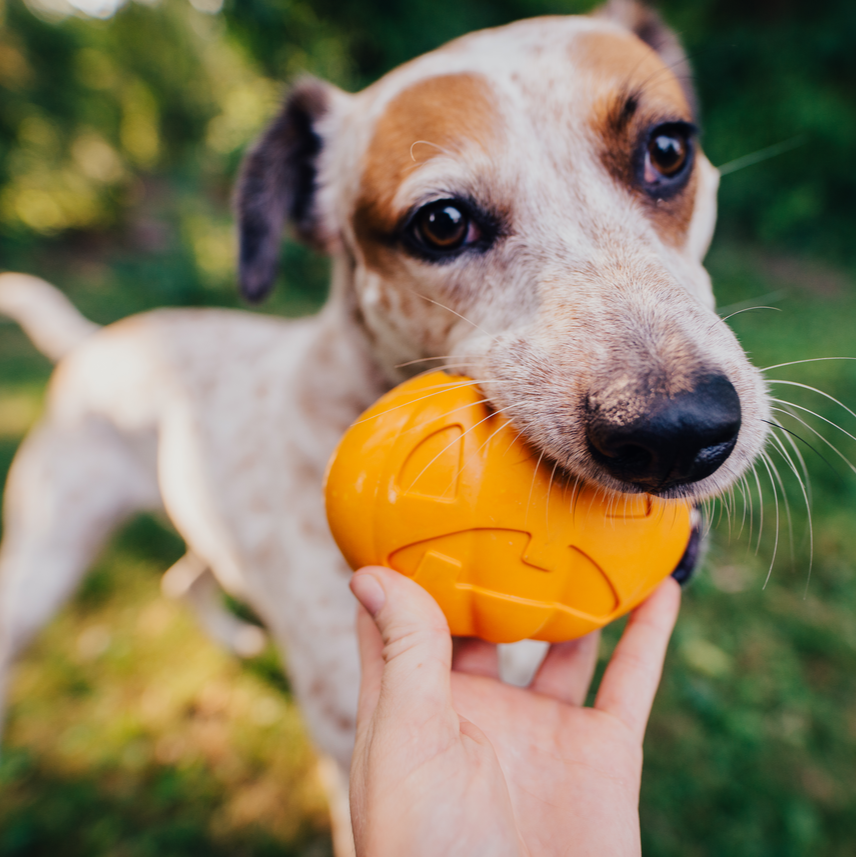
(636, 93)
(448, 114)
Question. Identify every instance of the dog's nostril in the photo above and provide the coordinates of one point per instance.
(678, 440)
(630, 456)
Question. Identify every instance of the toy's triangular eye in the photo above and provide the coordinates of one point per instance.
(442, 225)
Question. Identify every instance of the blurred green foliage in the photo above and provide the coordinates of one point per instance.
(135, 124)
(119, 141)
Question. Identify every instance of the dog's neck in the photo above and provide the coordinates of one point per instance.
(340, 375)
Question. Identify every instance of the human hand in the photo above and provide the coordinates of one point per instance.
(449, 760)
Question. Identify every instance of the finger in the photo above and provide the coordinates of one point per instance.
(633, 674)
(567, 670)
(417, 646)
(475, 657)
(371, 665)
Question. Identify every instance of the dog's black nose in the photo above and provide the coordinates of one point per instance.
(677, 440)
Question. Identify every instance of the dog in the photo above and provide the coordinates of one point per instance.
(528, 205)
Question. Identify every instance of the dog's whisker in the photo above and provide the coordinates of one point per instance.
(499, 414)
(454, 312)
(575, 497)
(750, 501)
(802, 480)
(683, 60)
(796, 451)
(806, 498)
(780, 450)
(441, 388)
(721, 509)
(808, 516)
(517, 437)
(742, 486)
(439, 417)
(489, 438)
(728, 502)
(751, 497)
(762, 155)
(448, 446)
(445, 367)
(814, 431)
(724, 311)
(739, 489)
(765, 460)
(703, 507)
(813, 390)
(532, 487)
(707, 505)
(799, 362)
(438, 389)
(800, 438)
(732, 510)
(760, 508)
(748, 309)
(547, 505)
(436, 146)
(424, 360)
(465, 367)
(813, 413)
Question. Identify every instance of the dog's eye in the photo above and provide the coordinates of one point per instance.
(444, 226)
(668, 153)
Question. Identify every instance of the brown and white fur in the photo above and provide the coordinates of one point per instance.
(585, 303)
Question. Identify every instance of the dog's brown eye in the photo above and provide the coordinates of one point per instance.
(666, 160)
(668, 153)
(442, 225)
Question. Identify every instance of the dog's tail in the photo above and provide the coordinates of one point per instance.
(45, 313)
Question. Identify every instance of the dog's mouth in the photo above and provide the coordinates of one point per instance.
(671, 445)
(689, 561)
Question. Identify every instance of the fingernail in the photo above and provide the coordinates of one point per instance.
(368, 592)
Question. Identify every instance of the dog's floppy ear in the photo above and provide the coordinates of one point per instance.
(645, 23)
(278, 185)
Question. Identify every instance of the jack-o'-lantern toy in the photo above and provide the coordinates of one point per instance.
(431, 483)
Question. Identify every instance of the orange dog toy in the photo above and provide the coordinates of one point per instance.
(430, 483)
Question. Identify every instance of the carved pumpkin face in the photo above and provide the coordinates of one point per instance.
(433, 484)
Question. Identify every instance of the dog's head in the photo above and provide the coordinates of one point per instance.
(531, 206)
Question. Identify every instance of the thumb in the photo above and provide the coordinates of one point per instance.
(415, 660)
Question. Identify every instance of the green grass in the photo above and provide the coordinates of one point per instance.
(131, 734)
